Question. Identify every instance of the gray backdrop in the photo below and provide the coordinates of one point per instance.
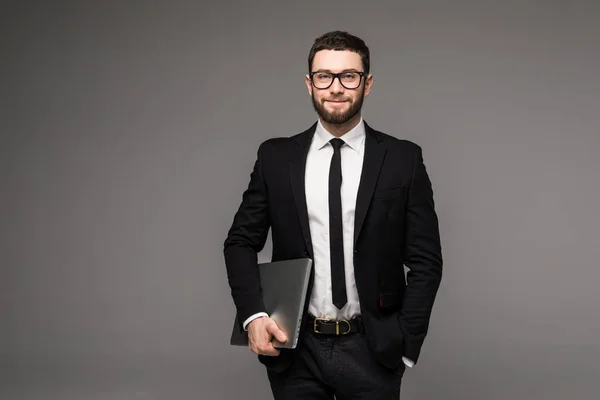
(128, 133)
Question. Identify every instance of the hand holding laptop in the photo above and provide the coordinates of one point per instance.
(284, 287)
(261, 331)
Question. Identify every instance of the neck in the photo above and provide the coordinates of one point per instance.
(340, 130)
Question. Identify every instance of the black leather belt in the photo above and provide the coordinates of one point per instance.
(334, 327)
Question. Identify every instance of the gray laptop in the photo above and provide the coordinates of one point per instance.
(284, 287)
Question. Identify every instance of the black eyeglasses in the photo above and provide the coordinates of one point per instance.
(348, 79)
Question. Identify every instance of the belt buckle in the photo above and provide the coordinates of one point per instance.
(315, 324)
(337, 327)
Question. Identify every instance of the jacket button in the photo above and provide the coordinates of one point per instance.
(305, 252)
(355, 251)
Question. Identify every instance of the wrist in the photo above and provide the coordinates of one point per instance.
(252, 318)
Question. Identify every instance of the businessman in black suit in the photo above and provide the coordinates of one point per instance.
(358, 202)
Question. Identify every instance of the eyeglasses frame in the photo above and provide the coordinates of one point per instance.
(360, 73)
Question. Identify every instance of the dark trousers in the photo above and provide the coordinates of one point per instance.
(343, 366)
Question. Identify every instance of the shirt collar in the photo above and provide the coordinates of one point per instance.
(352, 138)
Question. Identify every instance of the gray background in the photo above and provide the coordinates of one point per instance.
(128, 134)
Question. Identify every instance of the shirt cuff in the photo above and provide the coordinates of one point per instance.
(252, 318)
(409, 363)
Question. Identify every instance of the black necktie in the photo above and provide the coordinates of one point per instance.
(336, 237)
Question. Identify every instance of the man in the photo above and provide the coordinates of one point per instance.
(359, 203)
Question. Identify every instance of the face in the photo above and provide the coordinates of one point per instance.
(337, 104)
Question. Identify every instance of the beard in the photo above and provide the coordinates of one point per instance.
(338, 116)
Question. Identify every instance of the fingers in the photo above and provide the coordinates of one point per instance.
(269, 350)
(277, 333)
(260, 335)
(265, 349)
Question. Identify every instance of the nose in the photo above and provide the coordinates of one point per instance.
(336, 86)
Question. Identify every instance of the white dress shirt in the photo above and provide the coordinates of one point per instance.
(317, 202)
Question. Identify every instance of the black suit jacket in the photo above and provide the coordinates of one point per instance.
(395, 225)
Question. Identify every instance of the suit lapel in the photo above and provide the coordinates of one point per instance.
(297, 174)
(373, 159)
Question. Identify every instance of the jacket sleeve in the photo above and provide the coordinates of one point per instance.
(245, 239)
(423, 257)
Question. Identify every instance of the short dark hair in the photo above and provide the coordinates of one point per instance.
(340, 40)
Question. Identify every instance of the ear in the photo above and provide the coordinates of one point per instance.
(308, 84)
(368, 84)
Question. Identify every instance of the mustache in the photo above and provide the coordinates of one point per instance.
(337, 99)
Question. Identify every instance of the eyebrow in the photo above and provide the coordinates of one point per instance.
(345, 70)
